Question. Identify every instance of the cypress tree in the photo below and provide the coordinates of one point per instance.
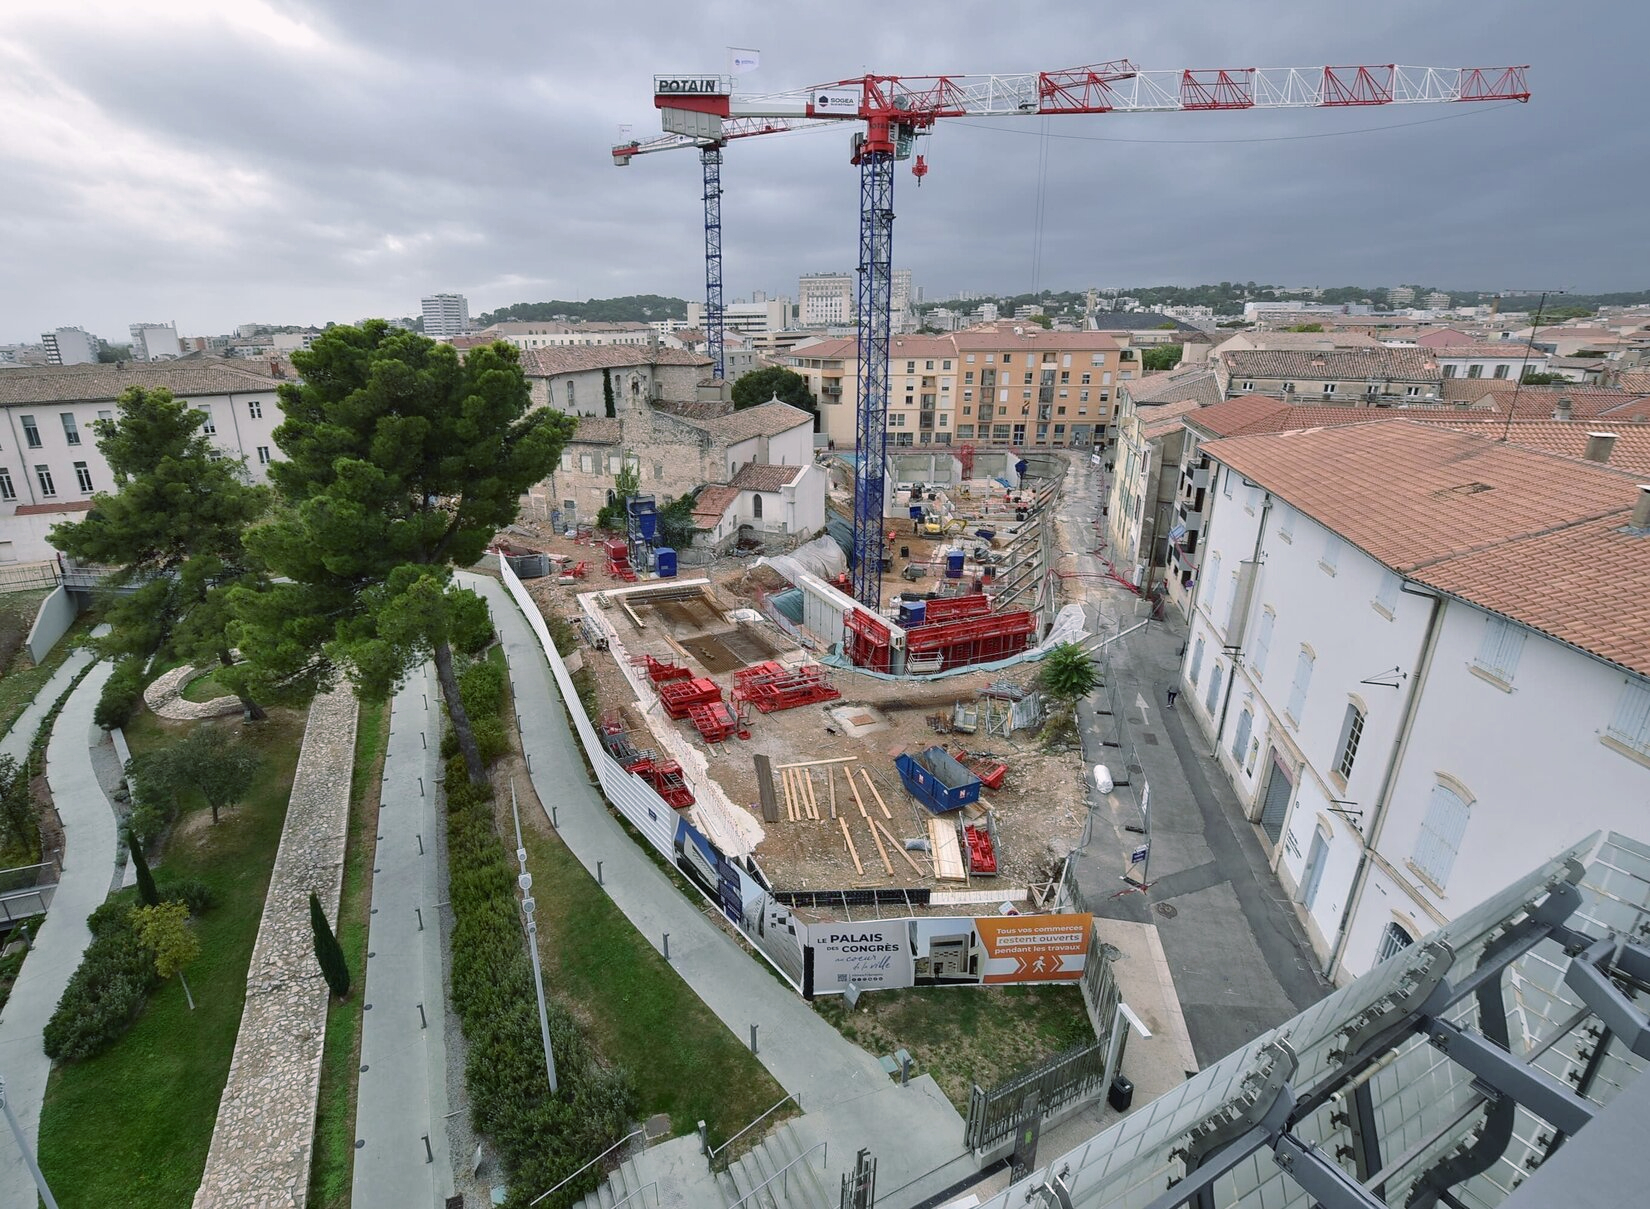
(328, 952)
(145, 879)
(607, 394)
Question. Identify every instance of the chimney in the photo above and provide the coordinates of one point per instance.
(1564, 409)
(1599, 445)
(1641, 509)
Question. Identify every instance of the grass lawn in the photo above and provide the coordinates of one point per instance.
(205, 688)
(23, 679)
(131, 1127)
(334, 1164)
(628, 998)
(965, 1035)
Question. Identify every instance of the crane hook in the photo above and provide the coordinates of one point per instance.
(920, 169)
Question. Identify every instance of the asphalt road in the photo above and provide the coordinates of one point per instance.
(1240, 961)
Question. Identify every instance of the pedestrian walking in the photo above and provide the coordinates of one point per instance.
(1173, 693)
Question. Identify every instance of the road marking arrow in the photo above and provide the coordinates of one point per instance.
(1140, 700)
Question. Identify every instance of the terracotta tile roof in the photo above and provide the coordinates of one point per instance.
(824, 350)
(1538, 402)
(1529, 534)
(1032, 336)
(1306, 415)
(1232, 416)
(1634, 409)
(1198, 383)
(593, 430)
(1488, 349)
(1295, 341)
(546, 362)
(1630, 452)
(764, 420)
(920, 346)
(755, 477)
(711, 504)
(1168, 417)
(100, 383)
(1637, 383)
(1348, 365)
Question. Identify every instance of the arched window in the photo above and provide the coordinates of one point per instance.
(1240, 741)
(1440, 839)
(1393, 941)
(1197, 661)
(756, 505)
(1214, 690)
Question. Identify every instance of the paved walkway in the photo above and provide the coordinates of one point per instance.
(843, 1089)
(88, 866)
(402, 1100)
(1241, 962)
(261, 1145)
(17, 739)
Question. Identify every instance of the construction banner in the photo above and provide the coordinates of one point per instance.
(1035, 948)
(940, 950)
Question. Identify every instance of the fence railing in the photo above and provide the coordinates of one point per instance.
(1063, 1079)
(824, 1158)
(30, 877)
(635, 1133)
(714, 1153)
(28, 577)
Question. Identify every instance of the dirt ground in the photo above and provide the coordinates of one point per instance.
(1038, 812)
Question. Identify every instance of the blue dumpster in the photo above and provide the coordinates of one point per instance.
(937, 780)
(954, 564)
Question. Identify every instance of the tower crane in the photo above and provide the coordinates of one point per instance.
(895, 110)
(710, 159)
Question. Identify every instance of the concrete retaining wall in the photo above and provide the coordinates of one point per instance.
(56, 615)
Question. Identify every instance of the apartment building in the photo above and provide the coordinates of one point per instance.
(1419, 654)
(826, 299)
(526, 334)
(70, 346)
(1501, 359)
(50, 466)
(1368, 377)
(445, 315)
(155, 341)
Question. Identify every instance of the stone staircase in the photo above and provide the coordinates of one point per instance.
(802, 1186)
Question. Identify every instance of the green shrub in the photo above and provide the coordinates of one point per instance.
(106, 993)
(541, 1138)
(481, 688)
(191, 892)
(118, 704)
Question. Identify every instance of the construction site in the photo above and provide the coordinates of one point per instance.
(859, 758)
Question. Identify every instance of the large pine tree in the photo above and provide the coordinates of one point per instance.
(402, 462)
(172, 530)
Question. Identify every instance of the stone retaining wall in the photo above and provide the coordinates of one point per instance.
(163, 696)
(261, 1146)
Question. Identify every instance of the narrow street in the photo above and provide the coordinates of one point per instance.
(1240, 960)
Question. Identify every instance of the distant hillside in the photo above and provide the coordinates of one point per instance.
(633, 308)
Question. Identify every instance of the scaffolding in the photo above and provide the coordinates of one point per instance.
(772, 686)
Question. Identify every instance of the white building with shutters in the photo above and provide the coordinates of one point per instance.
(1422, 657)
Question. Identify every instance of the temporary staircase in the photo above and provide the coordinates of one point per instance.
(780, 1172)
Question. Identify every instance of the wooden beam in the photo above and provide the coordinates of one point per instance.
(898, 847)
(790, 798)
(948, 858)
(849, 840)
(830, 783)
(764, 789)
(817, 763)
(807, 776)
(866, 774)
(860, 802)
(886, 863)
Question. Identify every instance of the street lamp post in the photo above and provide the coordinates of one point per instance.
(529, 909)
(23, 1149)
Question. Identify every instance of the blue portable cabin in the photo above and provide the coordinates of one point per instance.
(937, 780)
(664, 562)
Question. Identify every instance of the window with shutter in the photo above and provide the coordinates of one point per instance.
(1303, 681)
(1439, 842)
(1240, 741)
(1631, 724)
(1213, 698)
(1386, 598)
(1286, 520)
(1197, 661)
(1231, 612)
(1212, 578)
(1263, 643)
(1331, 552)
(1352, 733)
(1503, 644)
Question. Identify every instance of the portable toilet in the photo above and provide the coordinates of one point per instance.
(912, 613)
(664, 562)
(954, 564)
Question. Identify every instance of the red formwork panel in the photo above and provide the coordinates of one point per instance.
(772, 686)
(982, 858)
(869, 640)
(679, 696)
(972, 640)
(956, 608)
(715, 721)
(658, 671)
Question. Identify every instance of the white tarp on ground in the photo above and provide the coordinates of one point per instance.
(821, 557)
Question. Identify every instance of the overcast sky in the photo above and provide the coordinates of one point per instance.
(229, 161)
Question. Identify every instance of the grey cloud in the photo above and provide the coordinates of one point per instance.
(432, 148)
